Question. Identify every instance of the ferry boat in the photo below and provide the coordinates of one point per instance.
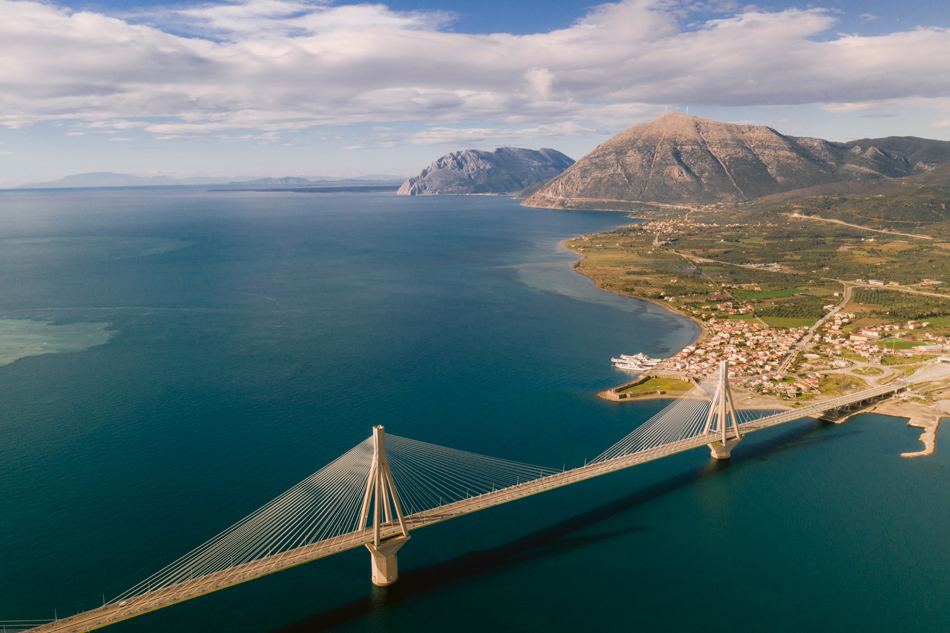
(637, 362)
(630, 366)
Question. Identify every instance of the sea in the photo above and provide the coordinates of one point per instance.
(172, 359)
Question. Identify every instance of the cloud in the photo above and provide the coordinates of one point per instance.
(539, 82)
(293, 18)
(877, 115)
(848, 107)
(942, 125)
(265, 70)
(867, 17)
(364, 144)
(461, 136)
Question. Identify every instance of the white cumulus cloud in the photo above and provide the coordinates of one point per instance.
(262, 69)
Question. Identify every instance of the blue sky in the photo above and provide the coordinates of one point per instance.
(311, 88)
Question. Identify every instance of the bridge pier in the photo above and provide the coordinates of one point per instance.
(382, 498)
(721, 450)
(721, 409)
(383, 560)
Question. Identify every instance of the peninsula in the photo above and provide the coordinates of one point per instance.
(808, 294)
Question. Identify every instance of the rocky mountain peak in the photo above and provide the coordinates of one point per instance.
(677, 158)
(505, 170)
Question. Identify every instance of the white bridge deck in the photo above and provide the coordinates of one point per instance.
(151, 601)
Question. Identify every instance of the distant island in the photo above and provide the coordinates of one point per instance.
(507, 170)
(111, 179)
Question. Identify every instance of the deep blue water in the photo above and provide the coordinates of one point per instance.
(259, 336)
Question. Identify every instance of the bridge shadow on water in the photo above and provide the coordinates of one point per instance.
(552, 540)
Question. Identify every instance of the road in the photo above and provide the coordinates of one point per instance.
(909, 291)
(805, 341)
(858, 226)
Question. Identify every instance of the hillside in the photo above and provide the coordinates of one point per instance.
(506, 170)
(899, 204)
(682, 159)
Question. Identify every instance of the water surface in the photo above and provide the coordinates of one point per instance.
(256, 337)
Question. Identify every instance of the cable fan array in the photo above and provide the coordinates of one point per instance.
(326, 505)
(323, 506)
(682, 419)
(428, 476)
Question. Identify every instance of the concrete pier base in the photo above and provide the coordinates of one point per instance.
(721, 450)
(383, 560)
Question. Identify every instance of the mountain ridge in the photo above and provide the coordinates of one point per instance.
(677, 158)
(113, 179)
(505, 170)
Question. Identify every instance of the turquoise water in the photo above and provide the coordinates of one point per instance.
(255, 337)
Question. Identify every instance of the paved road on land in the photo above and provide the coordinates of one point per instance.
(805, 341)
(858, 226)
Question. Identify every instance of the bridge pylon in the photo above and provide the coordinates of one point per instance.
(722, 412)
(382, 498)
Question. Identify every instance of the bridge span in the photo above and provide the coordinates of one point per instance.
(713, 422)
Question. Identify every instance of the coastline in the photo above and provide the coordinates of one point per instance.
(919, 416)
(703, 332)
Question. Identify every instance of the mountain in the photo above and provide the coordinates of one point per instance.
(678, 158)
(506, 170)
(286, 180)
(379, 177)
(110, 179)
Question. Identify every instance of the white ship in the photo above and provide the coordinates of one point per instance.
(637, 362)
(630, 366)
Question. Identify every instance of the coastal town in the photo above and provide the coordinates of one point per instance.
(790, 329)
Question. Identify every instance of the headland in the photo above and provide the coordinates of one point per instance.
(790, 304)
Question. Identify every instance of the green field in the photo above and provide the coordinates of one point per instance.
(713, 258)
(839, 384)
(900, 305)
(898, 360)
(897, 343)
(651, 385)
(789, 322)
(773, 294)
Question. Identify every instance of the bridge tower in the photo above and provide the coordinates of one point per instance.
(721, 410)
(382, 497)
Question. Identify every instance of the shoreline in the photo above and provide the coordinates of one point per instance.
(703, 332)
(918, 416)
(925, 417)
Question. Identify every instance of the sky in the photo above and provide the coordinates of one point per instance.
(256, 88)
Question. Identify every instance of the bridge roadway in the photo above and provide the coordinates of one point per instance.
(151, 601)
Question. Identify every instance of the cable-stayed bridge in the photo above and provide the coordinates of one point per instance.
(387, 486)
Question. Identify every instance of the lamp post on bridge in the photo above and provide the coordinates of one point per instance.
(381, 494)
(721, 409)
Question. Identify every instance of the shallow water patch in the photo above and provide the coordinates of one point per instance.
(24, 337)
